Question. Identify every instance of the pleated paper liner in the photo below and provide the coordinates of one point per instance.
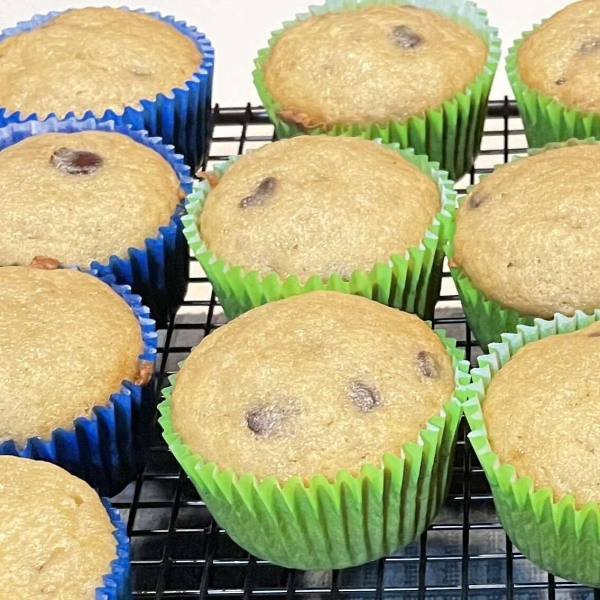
(180, 117)
(116, 585)
(555, 536)
(108, 448)
(158, 270)
(450, 134)
(546, 119)
(488, 319)
(410, 282)
(333, 524)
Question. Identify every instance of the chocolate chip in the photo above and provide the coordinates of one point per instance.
(364, 397)
(268, 420)
(263, 192)
(427, 364)
(510, 264)
(590, 46)
(76, 162)
(560, 81)
(476, 200)
(405, 37)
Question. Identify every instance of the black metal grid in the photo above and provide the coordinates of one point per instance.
(178, 551)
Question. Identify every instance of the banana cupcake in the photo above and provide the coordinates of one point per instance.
(150, 71)
(554, 74)
(98, 195)
(76, 357)
(537, 386)
(320, 212)
(304, 407)
(525, 243)
(392, 70)
(59, 540)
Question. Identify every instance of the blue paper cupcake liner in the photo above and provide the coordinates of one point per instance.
(180, 118)
(116, 585)
(158, 271)
(108, 448)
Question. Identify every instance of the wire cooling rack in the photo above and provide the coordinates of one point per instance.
(179, 552)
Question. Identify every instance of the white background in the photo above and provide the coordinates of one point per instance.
(238, 28)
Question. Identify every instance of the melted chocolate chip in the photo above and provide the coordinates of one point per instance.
(364, 397)
(263, 192)
(76, 162)
(476, 200)
(427, 365)
(405, 37)
(590, 46)
(560, 81)
(267, 420)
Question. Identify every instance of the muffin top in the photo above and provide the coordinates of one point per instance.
(550, 390)
(371, 65)
(88, 196)
(311, 385)
(57, 538)
(561, 58)
(528, 234)
(318, 205)
(67, 341)
(93, 59)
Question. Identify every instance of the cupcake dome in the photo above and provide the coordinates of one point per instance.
(93, 59)
(67, 342)
(318, 205)
(526, 235)
(58, 541)
(371, 65)
(561, 58)
(93, 194)
(294, 402)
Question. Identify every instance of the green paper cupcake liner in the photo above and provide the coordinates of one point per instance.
(488, 319)
(450, 134)
(410, 282)
(556, 536)
(333, 524)
(546, 119)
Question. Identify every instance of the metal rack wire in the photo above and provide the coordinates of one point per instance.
(178, 551)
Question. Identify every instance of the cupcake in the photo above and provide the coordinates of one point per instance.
(319, 443)
(553, 72)
(77, 358)
(146, 70)
(99, 195)
(417, 74)
(59, 540)
(524, 242)
(319, 212)
(534, 413)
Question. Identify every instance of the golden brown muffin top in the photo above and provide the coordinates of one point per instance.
(80, 197)
(318, 205)
(311, 385)
(93, 59)
(371, 65)
(67, 341)
(542, 414)
(528, 235)
(57, 538)
(562, 57)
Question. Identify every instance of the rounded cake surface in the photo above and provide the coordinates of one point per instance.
(561, 58)
(542, 414)
(311, 385)
(57, 538)
(67, 341)
(528, 237)
(80, 197)
(318, 205)
(371, 65)
(93, 59)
